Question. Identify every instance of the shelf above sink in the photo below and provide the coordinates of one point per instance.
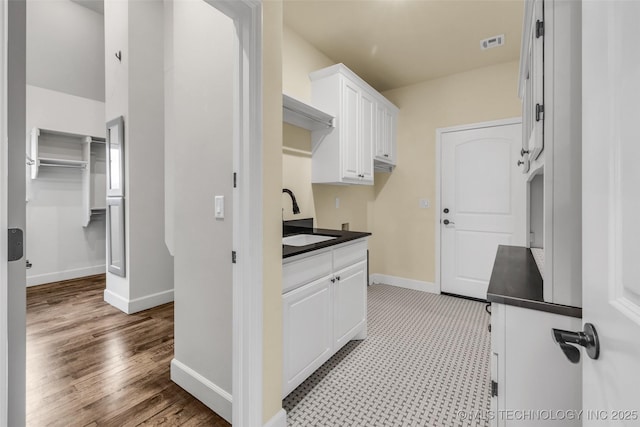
(305, 239)
(299, 114)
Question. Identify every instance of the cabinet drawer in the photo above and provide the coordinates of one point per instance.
(350, 254)
(305, 270)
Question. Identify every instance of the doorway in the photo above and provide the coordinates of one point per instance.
(481, 201)
(247, 290)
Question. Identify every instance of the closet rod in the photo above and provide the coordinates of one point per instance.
(52, 165)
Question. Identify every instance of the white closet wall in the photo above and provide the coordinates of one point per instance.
(58, 245)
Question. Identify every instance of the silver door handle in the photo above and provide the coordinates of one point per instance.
(447, 222)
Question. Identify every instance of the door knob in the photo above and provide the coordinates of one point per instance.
(587, 339)
(447, 222)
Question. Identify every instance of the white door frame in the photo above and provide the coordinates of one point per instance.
(247, 287)
(247, 214)
(439, 134)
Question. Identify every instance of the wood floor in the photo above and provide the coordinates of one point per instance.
(89, 364)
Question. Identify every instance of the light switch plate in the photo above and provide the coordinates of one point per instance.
(424, 203)
(219, 207)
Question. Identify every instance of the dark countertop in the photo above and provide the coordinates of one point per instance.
(342, 236)
(515, 280)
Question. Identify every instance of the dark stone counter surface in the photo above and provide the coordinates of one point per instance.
(305, 226)
(515, 280)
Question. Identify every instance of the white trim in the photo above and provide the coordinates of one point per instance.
(59, 276)
(278, 420)
(217, 399)
(439, 133)
(136, 305)
(247, 214)
(401, 282)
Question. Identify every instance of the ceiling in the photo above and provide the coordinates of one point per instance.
(394, 43)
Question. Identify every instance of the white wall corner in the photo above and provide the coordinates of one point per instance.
(130, 306)
(214, 397)
(278, 420)
(401, 282)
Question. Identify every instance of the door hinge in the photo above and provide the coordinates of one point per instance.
(539, 112)
(233, 257)
(235, 180)
(15, 244)
(539, 29)
(494, 389)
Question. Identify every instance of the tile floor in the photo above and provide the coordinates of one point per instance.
(426, 358)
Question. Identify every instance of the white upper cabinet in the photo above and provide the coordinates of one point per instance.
(551, 92)
(364, 133)
(385, 142)
(532, 84)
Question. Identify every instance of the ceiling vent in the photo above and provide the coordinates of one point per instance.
(491, 42)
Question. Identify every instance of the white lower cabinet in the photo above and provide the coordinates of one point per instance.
(321, 314)
(307, 315)
(533, 383)
(350, 309)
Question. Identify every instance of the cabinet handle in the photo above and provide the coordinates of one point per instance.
(338, 278)
(333, 280)
(386, 155)
(523, 152)
(520, 162)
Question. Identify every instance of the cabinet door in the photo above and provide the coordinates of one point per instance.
(390, 136)
(349, 124)
(367, 133)
(380, 132)
(385, 140)
(307, 323)
(350, 298)
(536, 70)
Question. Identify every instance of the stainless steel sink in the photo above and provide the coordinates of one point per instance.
(305, 239)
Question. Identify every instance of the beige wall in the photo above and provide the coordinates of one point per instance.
(271, 187)
(403, 242)
(299, 58)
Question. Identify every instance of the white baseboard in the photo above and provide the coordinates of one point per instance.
(278, 420)
(137, 304)
(58, 276)
(214, 397)
(416, 285)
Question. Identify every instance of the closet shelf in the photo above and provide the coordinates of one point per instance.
(299, 114)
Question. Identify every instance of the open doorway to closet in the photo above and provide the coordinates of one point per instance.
(65, 147)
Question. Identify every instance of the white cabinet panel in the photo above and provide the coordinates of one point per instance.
(350, 297)
(367, 135)
(307, 331)
(349, 254)
(349, 128)
(301, 271)
(531, 371)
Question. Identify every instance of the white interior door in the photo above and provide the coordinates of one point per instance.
(482, 204)
(611, 208)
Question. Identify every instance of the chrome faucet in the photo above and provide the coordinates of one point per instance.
(296, 209)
